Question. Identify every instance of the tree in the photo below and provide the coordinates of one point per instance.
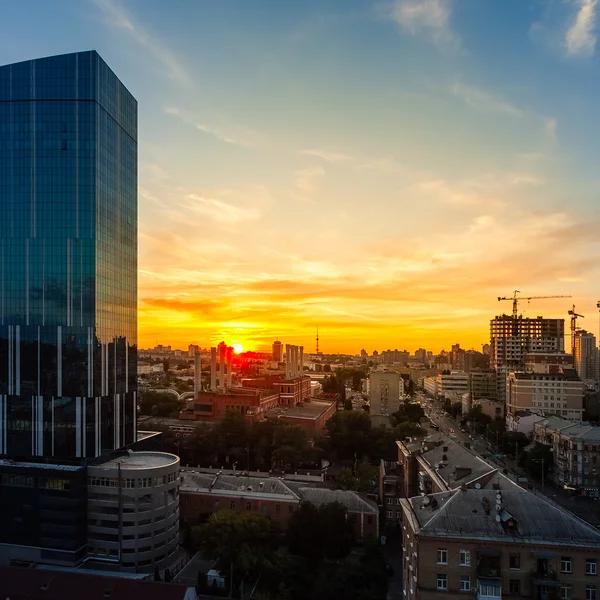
(242, 541)
(350, 434)
(160, 404)
(347, 404)
(537, 460)
(318, 533)
(168, 576)
(456, 409)
(166, 365)
(513, 442)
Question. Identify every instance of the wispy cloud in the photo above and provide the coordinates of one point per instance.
(119, 18)
(328, 155)
(483, 100)
(306, 182)
(212, 130)
(221, 211)
(580, 39)
(429, 18)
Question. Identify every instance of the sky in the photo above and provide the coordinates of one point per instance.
(381, 170)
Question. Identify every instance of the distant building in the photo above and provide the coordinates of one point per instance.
(546, 362)
(558, 394)
(277, 351)
(492, 408)
(453, 385)
(576, 454)
(384, 393)
(482, 384)
(511, 338)
(522, 421)
(585, 355)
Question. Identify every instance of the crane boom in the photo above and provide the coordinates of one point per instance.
(515, 300)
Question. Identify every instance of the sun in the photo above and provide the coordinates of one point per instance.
(237, 348)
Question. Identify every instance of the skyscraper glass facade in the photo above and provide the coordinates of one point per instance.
(68, 258)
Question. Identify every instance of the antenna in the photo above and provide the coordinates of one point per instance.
(317, 339)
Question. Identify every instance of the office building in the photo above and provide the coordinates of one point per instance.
(585, 355)
(277, 351)
(511, 338)
(558, 394)
(482, 384)
(576, 448)
(68, 259)
(452, 386)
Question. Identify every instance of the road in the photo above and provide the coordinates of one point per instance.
(585, 508)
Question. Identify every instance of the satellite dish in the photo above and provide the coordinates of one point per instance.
(498, 519)
(498, 507)
(426, 500)
(437, 465)
(477, 486)
(498, 496)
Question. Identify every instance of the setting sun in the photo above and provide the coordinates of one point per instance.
(237, 348)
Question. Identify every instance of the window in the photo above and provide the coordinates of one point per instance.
(566, 565)
(277, 508)
(565, 592)
(248, 505)
(389, 514)
(514, 561)
(590, 592)
(442, 582)
(232, 505)
(465, 583)
(389, 501)
(465, 558)
(514, 586)
(591, 566)
(369, 520)
(442, 556)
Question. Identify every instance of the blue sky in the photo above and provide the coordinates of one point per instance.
(384, 169)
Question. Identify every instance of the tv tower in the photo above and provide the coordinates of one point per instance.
(317, 339)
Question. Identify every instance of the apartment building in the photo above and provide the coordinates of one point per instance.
(384, 394)
(576, 449)
(585, 355)
(391, 485)
(493, 541)
(558, 394)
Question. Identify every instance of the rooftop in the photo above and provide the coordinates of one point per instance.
(272, 487)
(6, 462)
(474, 514)
(310, 410)
(141, 460)
(565, 375)
(20, 583)
(583, 430)
(452, 462)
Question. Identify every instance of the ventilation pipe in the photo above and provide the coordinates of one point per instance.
(213, 369)
(229, 357)
(222, 352)
(197, 374)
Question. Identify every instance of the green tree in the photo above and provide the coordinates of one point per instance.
(347, 404)
(513, 441)
(242, 541)
(537, 460)
(160, 404)
(319, 533)
(350, 434)
(166, 365)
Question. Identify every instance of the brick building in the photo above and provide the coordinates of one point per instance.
(203, 493)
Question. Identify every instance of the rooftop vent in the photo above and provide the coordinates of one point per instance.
(444, 457)
(445, 448)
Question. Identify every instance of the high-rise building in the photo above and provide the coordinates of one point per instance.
(585, 355)
(277, 351)
(385, 390)
(511, 338)
(68, 258)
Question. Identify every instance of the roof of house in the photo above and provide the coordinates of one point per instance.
(21, 583)
(451, 460)
(469, 513)
(353, 501)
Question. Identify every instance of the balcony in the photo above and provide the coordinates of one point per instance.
(489, 588)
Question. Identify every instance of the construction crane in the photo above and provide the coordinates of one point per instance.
(515, 300)
(574, 317)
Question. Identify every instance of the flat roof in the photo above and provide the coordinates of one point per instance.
(141, 460)
(310, 410)
(5, 462)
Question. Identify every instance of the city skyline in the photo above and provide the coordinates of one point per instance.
(382, 169)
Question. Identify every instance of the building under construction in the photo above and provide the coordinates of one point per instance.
(512, 337)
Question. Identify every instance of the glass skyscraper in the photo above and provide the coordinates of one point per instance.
(68, 259)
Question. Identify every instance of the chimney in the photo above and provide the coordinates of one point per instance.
(197, 374)
(301, 360)
(229, 356)
(288, 361)
(213, 369)
(222, 352)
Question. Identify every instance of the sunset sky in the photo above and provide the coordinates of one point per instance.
(382, 169)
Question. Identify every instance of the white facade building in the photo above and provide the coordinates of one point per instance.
(384, 393)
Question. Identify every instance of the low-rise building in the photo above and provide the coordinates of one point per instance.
(522, 421)
(491, 408)
(312, 415)
(558, 393)
(453, 384)
(430, 385)
(482, 384)
(576, 448)
(391, 486)
(495, 541)
(203, 493)
(133, 510)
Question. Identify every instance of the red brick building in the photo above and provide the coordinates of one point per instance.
(202, 493)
